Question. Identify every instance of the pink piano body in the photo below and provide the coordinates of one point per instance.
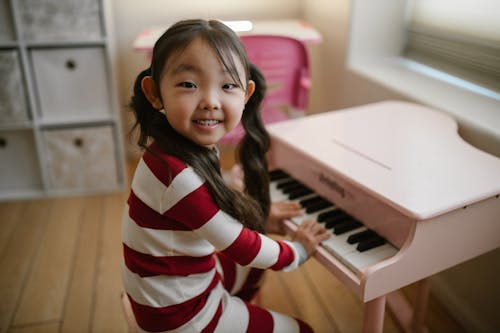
(403, 170)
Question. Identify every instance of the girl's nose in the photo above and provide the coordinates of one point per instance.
(210, 100)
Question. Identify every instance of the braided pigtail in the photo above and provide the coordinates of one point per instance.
(254, 145)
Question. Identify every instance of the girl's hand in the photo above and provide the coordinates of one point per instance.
(310, 233)
(280, 211)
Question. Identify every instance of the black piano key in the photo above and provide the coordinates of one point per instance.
(370, 243)
(341, 216)
(333, 222)
(322, 204)
(330, 214)
(277, 175)
(299, 193)
(291, 187)
(346, 226)
(309, 201)
(286, 183)
(360, 236)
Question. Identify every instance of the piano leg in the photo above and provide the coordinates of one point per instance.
(373, 321)
(420, 309)
(410, 319)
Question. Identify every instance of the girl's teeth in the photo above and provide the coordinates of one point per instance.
(207, 122)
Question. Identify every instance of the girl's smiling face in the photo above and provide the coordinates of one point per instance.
(201, 100)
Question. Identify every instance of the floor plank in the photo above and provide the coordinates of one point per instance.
(17, 257)
(9, 217)
(108, 316)
(82, 287)
(44, 295)
(50, 327)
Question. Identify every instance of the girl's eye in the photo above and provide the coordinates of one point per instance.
(189, 85)
(229, 86)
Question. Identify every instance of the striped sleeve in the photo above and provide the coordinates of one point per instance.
(185, 198)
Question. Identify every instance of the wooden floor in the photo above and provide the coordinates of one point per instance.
(60, 272)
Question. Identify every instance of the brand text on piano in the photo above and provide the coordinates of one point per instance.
(331, 184)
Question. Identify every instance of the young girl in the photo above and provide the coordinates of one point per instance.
(190, 241)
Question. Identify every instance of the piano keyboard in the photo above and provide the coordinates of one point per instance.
(351, 242)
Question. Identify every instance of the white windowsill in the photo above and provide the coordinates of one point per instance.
(470, 105)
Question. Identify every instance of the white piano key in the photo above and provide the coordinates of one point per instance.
(338, 243)
(359, 260)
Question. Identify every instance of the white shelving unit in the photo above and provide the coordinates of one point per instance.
(60, 130)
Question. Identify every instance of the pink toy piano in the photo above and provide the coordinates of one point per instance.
(402, 194)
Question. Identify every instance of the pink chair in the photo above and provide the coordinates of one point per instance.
(285, 64)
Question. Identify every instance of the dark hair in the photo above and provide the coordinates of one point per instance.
(252, 207)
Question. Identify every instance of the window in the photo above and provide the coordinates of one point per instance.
(458, 37)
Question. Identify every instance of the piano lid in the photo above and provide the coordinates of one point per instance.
(407, 155)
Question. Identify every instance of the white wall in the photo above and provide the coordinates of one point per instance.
(334, 86)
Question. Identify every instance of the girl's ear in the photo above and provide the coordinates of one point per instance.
(250, 90)
(150, 90)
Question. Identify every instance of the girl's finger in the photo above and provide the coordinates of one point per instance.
(323, 236)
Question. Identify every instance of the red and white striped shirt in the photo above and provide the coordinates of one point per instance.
(171, 230)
